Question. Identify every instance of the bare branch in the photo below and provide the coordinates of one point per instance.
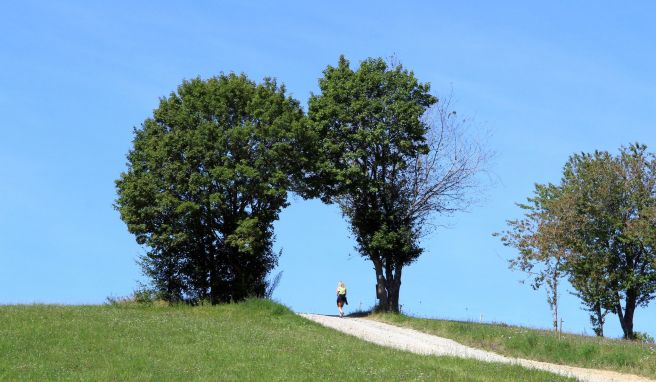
(446, 179)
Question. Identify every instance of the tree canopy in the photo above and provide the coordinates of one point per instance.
(537, 238)
(210, 171)
(207, 176)
(603, 219)
(386, 166)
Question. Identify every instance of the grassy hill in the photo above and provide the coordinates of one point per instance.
(540, 345)
(255, 340)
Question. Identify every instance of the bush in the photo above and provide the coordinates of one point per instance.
(644, 337)
(141, 296)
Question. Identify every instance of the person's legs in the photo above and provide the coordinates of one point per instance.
(340, 304)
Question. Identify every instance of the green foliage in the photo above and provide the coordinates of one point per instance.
(540, 345)
(613, 229)
(207, 176)
(145, 296)
(142, 296)
(644, 338)
(602, 218)
(536, 237)
(368, 124)
(257, 340)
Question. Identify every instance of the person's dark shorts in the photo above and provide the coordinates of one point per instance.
(341, 298)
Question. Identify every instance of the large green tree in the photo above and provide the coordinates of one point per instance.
(380, 159)
(207, 176)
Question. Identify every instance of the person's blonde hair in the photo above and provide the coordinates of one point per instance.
(341, 284)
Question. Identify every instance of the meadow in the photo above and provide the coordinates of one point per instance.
(256, 340)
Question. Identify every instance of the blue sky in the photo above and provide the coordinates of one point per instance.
(547, 80)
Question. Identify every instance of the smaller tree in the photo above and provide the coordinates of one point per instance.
(536, 237)
(602, 218)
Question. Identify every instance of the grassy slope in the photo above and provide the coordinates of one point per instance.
(570, 349)
(256, 340)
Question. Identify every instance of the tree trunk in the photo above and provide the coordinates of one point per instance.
(393, 296)
(214, 283)
(629, 310)
(381, 291)
(554, 309)
(598, 321)
(395, 287)
(626, 316)
(388, 285)
(628, 323)
(211, 254)
(238, 291)
(553, 299)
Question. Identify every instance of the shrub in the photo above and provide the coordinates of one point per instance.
(644, 337)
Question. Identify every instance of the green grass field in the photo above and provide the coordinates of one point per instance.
(575, 350)
(255, 340)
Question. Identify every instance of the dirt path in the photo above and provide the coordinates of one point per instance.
(422, 343)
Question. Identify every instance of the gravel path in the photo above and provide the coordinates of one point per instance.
(422, 343)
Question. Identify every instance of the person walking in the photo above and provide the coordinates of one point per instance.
(341, 297)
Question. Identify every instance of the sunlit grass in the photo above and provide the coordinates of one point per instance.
(256, 340)
(540, 345)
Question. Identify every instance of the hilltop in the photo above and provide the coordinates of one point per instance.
(254, 340)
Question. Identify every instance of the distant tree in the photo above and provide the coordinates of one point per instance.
(207, 176)
(613, 229)
(374, 160)
(537, 238)
(602, 218)
(542, 238)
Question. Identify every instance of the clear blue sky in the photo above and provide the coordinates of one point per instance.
(75, 78)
